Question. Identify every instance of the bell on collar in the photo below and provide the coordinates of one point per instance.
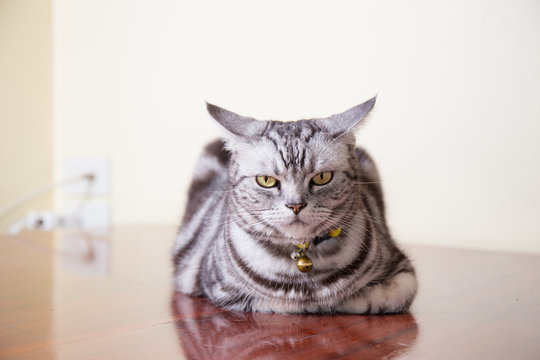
(304, 264)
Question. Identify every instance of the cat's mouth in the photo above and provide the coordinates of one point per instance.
(297, 221)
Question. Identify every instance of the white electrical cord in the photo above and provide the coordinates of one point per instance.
(48, 219)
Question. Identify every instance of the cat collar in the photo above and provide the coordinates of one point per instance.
(303, 262)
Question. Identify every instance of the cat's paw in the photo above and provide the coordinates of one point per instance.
(391, 296)
(355, 305)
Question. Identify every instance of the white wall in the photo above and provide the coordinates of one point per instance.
(455, 130)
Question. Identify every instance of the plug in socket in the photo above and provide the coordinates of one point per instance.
(97, 166)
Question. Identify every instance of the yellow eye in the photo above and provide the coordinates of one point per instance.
(322, 178)
(266, 181)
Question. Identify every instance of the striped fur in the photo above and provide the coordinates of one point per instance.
(236, 237)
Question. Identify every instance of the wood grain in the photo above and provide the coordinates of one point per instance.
(111, 297)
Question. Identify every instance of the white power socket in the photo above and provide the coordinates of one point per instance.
(85, 202)
(97, 166)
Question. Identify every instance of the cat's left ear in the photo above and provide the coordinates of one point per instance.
(347, 121)
(235, 124)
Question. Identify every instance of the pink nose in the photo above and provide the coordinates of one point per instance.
(296, 207)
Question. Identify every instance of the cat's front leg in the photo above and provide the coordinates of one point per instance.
(391, 296)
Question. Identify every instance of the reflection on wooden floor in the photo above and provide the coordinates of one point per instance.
(208, 332)
(112, 297)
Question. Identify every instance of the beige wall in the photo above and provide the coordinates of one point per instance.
(455, 130)
(26, 130)
(26, 134)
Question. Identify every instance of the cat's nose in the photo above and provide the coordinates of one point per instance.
(296, 207)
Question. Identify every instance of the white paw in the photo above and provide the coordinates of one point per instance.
(393, 295)
(356, 305)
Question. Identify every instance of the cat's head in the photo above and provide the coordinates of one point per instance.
(297, 179)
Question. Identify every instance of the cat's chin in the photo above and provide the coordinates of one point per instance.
(299, 231)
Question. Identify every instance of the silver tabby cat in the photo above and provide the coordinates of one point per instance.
(270, 186)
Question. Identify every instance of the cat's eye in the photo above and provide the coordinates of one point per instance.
(266, 181)
(322, 178)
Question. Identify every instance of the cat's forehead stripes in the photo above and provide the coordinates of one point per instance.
(291, 141)
(303, 129)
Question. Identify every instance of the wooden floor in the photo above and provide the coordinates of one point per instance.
(69, 296)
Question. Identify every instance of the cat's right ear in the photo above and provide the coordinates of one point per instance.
(347, 121)
(237, 125)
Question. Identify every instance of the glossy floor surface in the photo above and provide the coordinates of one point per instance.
(76, 296)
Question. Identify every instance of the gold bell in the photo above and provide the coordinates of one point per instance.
(304, 264)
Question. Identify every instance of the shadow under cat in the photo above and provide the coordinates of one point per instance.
(209, 332)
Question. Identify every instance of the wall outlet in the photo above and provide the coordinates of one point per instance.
(98, 166)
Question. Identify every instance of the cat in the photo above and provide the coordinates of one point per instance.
(288, 217)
